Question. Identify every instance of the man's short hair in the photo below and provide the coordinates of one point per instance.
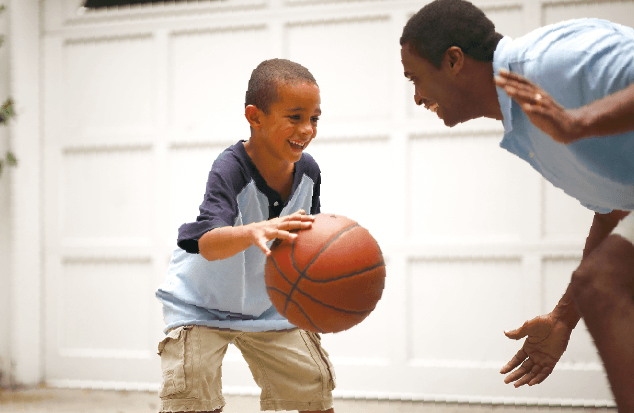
(262, 91)
(442, 24)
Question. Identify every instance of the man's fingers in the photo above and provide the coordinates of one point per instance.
(515, 361)
(541, 376)
(524, 369)
(524, 380)
(517, 333)
(507, 75)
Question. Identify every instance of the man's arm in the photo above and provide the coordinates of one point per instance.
(602, 226)
(611, 115)
(548, 335)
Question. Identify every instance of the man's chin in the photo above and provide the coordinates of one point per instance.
(450, 123)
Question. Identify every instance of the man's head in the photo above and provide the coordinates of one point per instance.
(282, 107)
(446, 48)
(445, 23)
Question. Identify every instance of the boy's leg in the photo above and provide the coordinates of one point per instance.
(292, 369)
(191, 359)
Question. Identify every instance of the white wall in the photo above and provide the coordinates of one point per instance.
(23, 190)
(4, 213)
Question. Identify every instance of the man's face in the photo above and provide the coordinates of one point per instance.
(434, 88)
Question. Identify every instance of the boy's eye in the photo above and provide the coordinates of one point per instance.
(315, 119)
(294, 117)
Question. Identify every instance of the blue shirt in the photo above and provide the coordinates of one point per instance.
(576, 62)
(231, 293)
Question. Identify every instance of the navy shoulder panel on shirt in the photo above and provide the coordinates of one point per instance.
(229, 174)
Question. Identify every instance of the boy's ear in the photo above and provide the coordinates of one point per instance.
(253, 115)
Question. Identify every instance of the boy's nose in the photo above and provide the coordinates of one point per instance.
(307, 129)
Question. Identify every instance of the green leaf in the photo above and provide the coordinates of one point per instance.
(6, 111)
(11, 159)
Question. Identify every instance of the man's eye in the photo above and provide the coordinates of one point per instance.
(315, 119)
(294, 117)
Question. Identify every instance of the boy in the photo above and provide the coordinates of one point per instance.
(257, 190)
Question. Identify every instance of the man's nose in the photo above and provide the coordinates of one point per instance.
(418, 98)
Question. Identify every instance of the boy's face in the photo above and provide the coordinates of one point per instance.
(292, 121)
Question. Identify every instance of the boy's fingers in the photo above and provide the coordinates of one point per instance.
(264, 248)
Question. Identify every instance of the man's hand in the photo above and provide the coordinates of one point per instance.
(547, 340)
(564, 126)
(263, 232)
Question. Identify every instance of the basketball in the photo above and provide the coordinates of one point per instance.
(329, 278)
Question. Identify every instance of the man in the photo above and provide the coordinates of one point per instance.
(576, 128)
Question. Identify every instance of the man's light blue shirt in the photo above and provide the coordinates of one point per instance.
(577, 62)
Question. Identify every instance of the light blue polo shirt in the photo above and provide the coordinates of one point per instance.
(230, 293)
(576, 62)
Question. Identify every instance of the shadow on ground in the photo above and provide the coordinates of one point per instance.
(47, 400)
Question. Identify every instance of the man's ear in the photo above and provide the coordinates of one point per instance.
(454, 59)
(253, 115)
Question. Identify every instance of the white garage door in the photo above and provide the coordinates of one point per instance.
(138, 102)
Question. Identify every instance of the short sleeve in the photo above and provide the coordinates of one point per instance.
(598, 210)
(219, 207)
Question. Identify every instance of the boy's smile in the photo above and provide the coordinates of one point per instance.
(286, 131)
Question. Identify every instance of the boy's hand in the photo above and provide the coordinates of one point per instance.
(263, 232)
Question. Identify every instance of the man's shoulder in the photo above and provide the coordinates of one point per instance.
(578, 35)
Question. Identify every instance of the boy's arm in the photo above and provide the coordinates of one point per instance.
(225, 242)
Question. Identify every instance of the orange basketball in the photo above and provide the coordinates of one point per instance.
(329, 278)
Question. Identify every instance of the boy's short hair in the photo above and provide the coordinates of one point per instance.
(442, 24)
(262, 91)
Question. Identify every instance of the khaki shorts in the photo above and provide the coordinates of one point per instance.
(291, 368)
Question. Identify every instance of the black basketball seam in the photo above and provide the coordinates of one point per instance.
(343, 310)
(381, 264)
(326, 246)
(280, 271)
(298, 306)
(302, 274)
(322, 281)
